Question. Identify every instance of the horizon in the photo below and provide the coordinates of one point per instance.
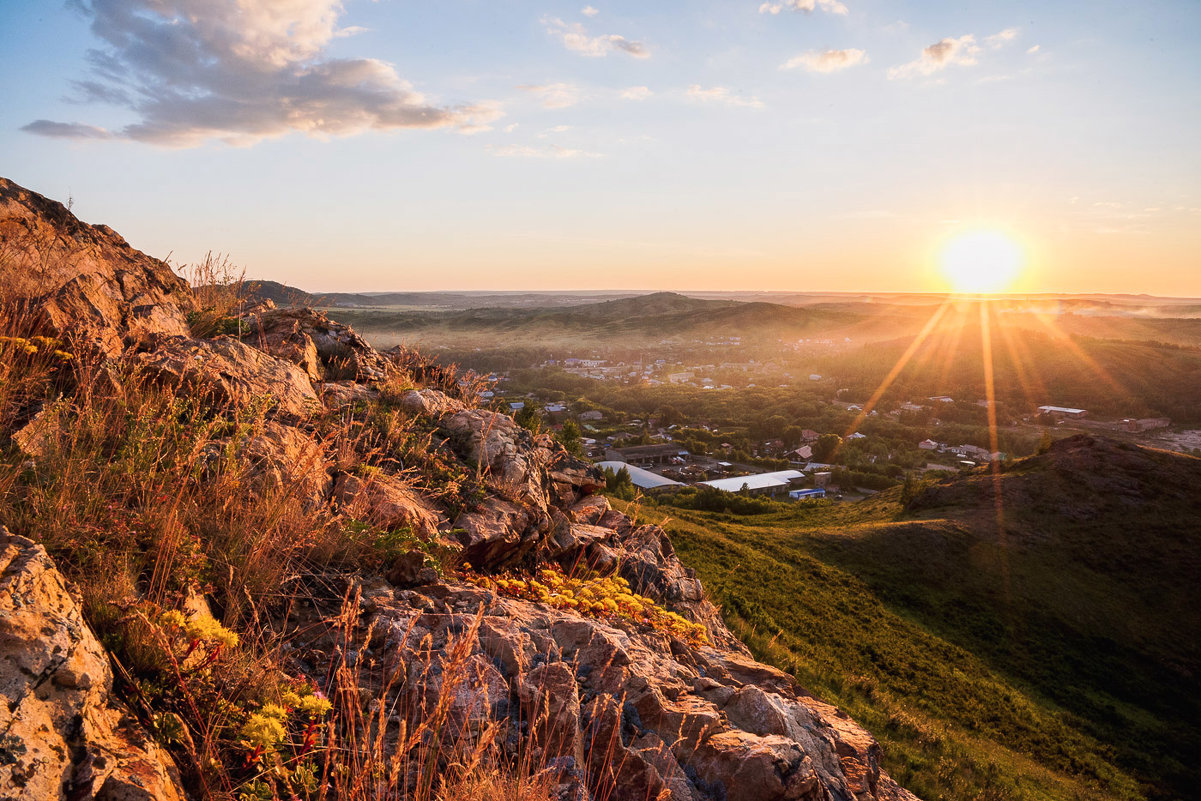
(799, 146)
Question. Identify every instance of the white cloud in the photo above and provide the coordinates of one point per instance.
(242, 71)
(808, 6)
(941, 54)
(511, 127)
(557, 129)
(589, 11)
(575, 38)
(826, 60)
(720, 94)
(1001, 38)
(554, 95)
(636, 93)
(548, 152)
(1032, 50)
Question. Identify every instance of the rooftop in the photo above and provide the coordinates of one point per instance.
(780, 478)
(643, 479)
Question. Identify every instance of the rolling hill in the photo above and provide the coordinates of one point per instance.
(1052, 656)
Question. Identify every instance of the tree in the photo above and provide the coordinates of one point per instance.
(527, 417)
(826, 445)
(570, 436)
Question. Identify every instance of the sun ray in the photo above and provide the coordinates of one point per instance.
(898, 367)
(994, 462)
(1033, 387)
(1088, 361)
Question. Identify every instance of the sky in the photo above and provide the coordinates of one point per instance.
(826, 145)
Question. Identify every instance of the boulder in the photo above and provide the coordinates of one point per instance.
(338, 395)
(85, 280)
(388, 502)
(63, 733)
(431, 402)
(323, 348)
(498, 532)
(228, 371)
(282, 457)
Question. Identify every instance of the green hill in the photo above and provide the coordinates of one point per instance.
(1053, 657)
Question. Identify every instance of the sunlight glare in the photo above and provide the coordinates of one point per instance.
(981, 261)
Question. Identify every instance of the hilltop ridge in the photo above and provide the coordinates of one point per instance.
(304, 562)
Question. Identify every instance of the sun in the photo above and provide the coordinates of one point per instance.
(981, 261)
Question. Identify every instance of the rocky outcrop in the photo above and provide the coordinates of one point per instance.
(616, 709)
(85, 280)
(226, 371)
(63, 734)
(325, 349)
(619, 703)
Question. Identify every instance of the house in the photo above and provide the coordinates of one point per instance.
(814, 377)
(1062, 412)
(517, 406)
(642, 479)
(943, 399)
(555, 408)
(646, 454)
(929, 445)
(801, 455)
(759, 484)
(593, 416)
(680, 378)
(808, 436)
(807, 494)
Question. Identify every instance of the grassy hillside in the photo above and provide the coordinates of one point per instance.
(1055, 661)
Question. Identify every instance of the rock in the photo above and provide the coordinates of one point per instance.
(409, 570)
(431, 402)
(590, 510)
(496, 446)
(41, 435)
(229, 371)
(85, 280)
(284, 457)
(63, 734)
(499, 533)
(337, 395)
(551, 704)
(388, 502)
(323, 348)
(642, 713)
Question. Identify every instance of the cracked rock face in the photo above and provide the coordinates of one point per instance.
(62, 733)
(617, 702)
(228, 371)
(85, 279)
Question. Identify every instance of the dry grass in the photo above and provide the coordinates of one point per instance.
(218, 287)
(145, 498)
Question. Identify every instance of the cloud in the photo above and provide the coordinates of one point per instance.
(636, 93)
(575, 38)
(939, 55)
(66, 130)
(548, 152)
(1032, 50)
(720, 94)
(557, 129)
(589, 11)
(1002, 38)
(808, 6)
(826, 60)
(242, 71)
(554, 95)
